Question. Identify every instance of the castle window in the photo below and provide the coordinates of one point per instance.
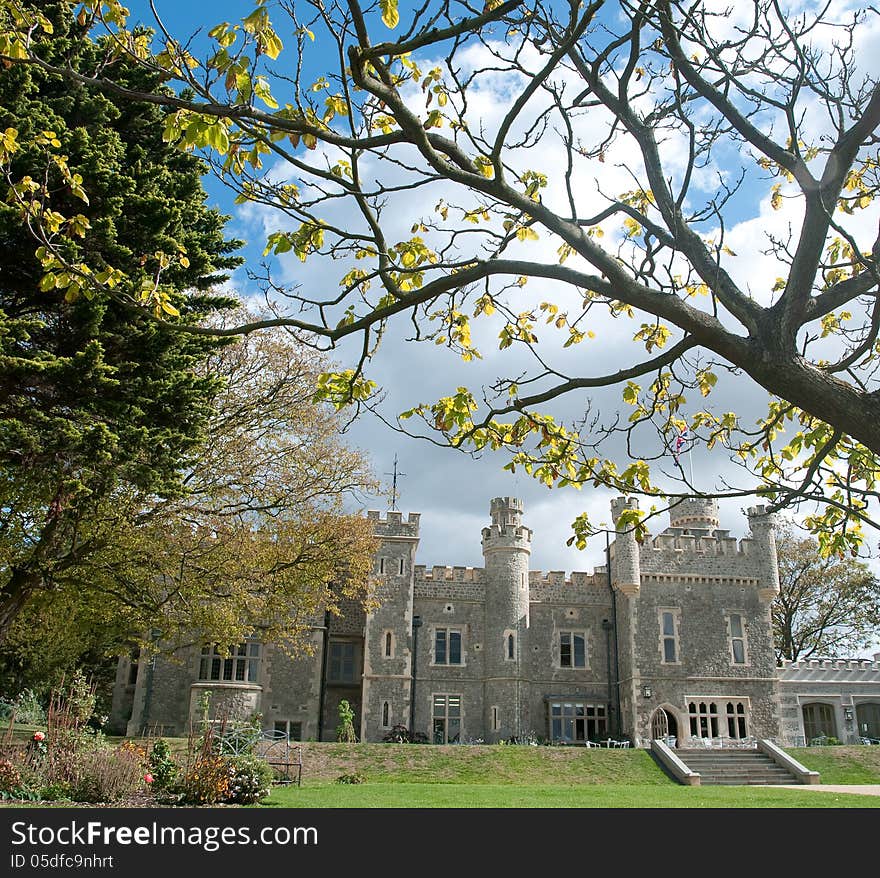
(572, 649)
(669, 620)
(736, 631)
(446, 719)
(344, 662)
(737, 725)
(386, 715)
(291, 730)
(511, 647)
(240, 665)
(400, 566)
(389, 645)
(447, 646)
(381, 565)
(703, 717)
(577, 721)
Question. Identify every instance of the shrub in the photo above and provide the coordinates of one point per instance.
(206, 781)
(251, 780)
(400, 734)
(354, 777)
(162, 766)
(55, 792)
(345, 730)
(107, 775)
(26, 709)
(10, 778)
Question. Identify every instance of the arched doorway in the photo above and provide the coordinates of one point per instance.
(663, 725)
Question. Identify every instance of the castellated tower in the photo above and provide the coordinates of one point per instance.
(506, 549)
(695, 513)
(763, 527)
(387, 670)
(626, 572)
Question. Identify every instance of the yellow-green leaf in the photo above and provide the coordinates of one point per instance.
(390, 15)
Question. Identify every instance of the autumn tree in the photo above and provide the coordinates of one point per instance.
(647, 198)
(826, 607)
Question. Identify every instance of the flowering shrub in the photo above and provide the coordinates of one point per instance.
(26, 709)
(251, 780)
(10, 778)
(162, 766)
(206, 782)
(37, 748)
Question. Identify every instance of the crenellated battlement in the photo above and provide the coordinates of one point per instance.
(507, 535)
(439, 573)
(865, 670)
(394, 524)
(538, 579)
(703, 541)
(619, 504)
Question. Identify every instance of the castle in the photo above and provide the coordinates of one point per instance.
(671, 638)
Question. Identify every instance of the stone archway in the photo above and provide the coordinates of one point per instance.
(664, 724)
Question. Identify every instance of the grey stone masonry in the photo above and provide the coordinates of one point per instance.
(387, 674)
(671, 638)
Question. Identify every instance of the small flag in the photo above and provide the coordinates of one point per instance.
(679, 443)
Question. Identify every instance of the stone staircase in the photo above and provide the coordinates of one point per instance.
(735, 767)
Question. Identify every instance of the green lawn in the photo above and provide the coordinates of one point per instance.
(409, 776)
(486, 795)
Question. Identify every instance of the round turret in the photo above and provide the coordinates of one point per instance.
(506, 512)
(695, 512)
(507, 545)
(763, 527)
(626, 567)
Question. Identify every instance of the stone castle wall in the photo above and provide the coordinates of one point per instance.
(692, 568)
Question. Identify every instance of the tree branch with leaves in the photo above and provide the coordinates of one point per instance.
(448, 160)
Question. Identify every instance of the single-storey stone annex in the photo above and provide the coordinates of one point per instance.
(671, 639)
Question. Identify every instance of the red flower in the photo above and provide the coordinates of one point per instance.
(39, 736)
(148, 778)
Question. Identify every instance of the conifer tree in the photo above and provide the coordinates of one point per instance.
(96, 400)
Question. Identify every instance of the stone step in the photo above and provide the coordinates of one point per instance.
(735, 767)
(743, 782)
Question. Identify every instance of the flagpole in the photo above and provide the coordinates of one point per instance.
(691, 460)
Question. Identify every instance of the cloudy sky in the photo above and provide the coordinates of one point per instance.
(452, 490)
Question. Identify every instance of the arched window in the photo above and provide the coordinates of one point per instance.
(389, 646)
(386, 715)
(511, 647)
(819, 721)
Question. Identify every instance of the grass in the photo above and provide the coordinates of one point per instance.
(487, 776)
(485, 795)
(841, 765)
(408, 776)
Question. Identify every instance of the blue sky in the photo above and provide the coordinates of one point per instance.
(450, 490)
